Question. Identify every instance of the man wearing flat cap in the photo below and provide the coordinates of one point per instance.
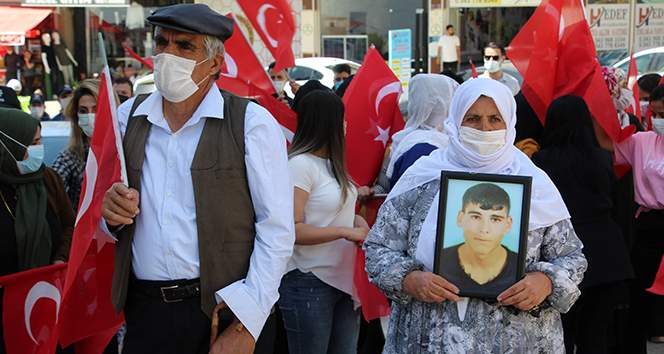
(208, 214)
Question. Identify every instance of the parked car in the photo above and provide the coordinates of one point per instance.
(55, 137)
(317, 68)
(647, 61)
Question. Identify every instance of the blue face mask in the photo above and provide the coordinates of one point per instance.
(337, 84)
(35, 158)
(87, 123)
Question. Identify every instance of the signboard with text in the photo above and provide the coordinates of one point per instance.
(494, 3)
(12, 39)
(77, 3)
(400, 53)
(649, 22)
(609, 24)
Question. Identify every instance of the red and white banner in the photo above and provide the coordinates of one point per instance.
(274, 22)
(31, 309)
(242, 73)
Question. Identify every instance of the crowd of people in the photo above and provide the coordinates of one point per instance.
(217, 210)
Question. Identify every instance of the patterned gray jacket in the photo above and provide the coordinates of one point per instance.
(418, 327)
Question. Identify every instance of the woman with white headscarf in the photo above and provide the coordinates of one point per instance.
(427, 314)
(429, 97)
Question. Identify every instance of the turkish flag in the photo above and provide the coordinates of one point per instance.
(632, 77)
(658, 286)
(473, 70)
(372, 115)
(281, 112)
(242, 73)
(31, 309)
(564, 62)
(147, 62)
(274, 22)
(87, 309)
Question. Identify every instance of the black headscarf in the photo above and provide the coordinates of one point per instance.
(568, 122)
(308, 87)
(527, 123)
(33, 236)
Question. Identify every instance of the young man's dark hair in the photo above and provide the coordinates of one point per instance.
(657, 94)
(648, 82)
(124, 80)
(449, 26)
(342, 68)
(493, 45)
(488, 196)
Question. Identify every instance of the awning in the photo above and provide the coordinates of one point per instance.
(15, 21)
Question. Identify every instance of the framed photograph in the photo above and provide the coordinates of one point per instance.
(482, 232)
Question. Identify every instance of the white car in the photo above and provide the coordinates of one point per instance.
(647, 61)
(318, 68)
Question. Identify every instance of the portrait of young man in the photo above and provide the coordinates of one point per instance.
(481, 264)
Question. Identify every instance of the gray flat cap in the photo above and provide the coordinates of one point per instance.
(193, 18)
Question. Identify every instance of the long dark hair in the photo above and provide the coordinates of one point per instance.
(320, 125)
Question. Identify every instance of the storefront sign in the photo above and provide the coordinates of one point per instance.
(77, 3)
(12, 39)
(494, 3)
(400, 50)
(649, 23)
(609, 24)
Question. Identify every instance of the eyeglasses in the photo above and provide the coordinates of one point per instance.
(494, 57)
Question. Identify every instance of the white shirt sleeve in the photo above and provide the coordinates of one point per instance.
(251, 299)
(457, 41)
(302, 173)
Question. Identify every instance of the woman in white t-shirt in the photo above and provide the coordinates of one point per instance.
(318, 301)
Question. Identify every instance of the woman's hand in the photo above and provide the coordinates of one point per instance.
(364, 192)
(355, 234)
(429, 287)
(529, 292)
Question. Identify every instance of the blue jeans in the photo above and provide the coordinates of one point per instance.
(319, 319)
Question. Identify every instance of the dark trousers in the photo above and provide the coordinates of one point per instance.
(647, 308)
(451, 66)
(597, 323)
(154, 326)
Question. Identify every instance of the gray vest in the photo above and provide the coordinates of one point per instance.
(224, 210)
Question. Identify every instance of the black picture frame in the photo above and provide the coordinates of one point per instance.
(487, 291)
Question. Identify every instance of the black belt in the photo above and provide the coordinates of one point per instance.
(167, 291)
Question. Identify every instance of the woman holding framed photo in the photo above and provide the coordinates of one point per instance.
(428, 316)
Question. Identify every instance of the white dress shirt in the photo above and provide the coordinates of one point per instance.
(165, 245)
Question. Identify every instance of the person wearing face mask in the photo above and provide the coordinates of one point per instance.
(427, 314)
(429, 97)
(279, 80)
(36, 217)
(123, 88)
(583, 173)
(70, 162)
(341, 73)
(64, 97)
(644, 152)
(493, 61)
(37, 109)
(207, 216)
(647, 83)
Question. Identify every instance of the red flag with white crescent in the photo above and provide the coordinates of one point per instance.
(372, 115)
(632, 84)
(555, 53)
(242, 73)
(31, 309)
(88, 312)
(274, 22)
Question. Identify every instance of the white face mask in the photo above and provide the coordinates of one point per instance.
(492, 66)
(87, 123)
(172, 76)
(658, 125)
(484, 143)
(37, 112)
(279, 85)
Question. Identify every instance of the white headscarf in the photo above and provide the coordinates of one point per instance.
(429, 97)
(546, 204)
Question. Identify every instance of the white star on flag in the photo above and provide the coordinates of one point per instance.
(383, 135)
